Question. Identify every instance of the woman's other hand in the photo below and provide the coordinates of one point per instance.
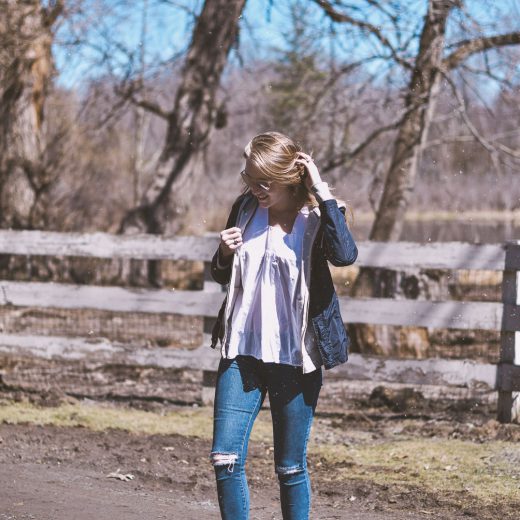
(312, 174)
(230, 239)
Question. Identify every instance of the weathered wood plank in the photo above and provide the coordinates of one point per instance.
(512, 252)
(437, 255)
(510, 337)
(101, 351)
(106, 245)
(462, 373)
(421, 313)
(440, 255)
(508, 406)
(509, 378)
(457, 315)
(449, 372)
(51, 379)
(118, 299)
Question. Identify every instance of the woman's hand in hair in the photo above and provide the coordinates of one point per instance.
(311, 173)
(230, 239)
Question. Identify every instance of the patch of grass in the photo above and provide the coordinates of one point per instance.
(193, 422)
(485, 472)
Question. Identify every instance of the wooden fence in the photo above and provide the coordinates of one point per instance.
(501, 316)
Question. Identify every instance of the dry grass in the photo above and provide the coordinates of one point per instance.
(190, 422)
(473, 472)
(483, 472)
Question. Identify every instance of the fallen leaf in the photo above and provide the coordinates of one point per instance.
(120, 476)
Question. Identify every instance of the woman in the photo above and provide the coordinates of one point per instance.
(280, 321)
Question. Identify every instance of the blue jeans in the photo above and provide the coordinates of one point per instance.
(241, 387)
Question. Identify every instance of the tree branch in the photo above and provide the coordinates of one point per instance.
(350, 154)
(127, 93)
(492, 148)
(470, 47)
(150, 106)
(336, 16)
(53, 12)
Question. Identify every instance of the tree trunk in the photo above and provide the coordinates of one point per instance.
(420, 104)
(26, 69)
(399, 185)
(195, 114)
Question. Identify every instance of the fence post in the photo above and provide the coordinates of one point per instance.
(507, 381)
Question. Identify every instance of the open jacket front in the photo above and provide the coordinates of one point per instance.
(327, 237)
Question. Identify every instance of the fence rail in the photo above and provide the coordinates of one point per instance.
(501, 316)
(438, 255)
(377, 311)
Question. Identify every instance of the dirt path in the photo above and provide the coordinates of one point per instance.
(37, 491)
(50, 472)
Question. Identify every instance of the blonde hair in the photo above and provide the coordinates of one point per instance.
(275, 155)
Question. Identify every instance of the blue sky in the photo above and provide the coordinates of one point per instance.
(262, 27)
(168, 33)
(169, 30)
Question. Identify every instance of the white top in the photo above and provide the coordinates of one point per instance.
(267, 317)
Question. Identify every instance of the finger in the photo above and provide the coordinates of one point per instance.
(232, 244)
(233, 236)
(305, 162)
(232, 232)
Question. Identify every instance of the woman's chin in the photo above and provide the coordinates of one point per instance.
(263, 202)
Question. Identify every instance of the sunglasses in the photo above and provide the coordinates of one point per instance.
(264, 185)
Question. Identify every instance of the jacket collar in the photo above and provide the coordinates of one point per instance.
(250, 203)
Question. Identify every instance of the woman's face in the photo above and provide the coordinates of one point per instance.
(277, 195)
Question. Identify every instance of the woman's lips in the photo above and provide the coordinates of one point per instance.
(261, 197)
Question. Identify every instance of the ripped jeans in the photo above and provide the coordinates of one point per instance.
(241, 387)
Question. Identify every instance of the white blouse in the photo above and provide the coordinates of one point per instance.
(266, 319)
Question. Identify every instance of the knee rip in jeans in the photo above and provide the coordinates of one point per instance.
(288, 470)
(224, 459)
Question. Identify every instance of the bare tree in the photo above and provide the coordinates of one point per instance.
(426, 70)
(26, 70)
(187, 110)
(191, 121)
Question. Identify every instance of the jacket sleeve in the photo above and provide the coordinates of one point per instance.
(338, 244)
(220, 265)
